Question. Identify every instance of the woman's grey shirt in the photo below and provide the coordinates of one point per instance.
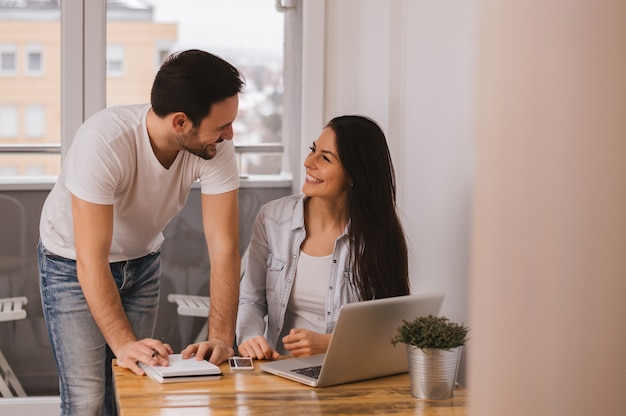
(270, 271)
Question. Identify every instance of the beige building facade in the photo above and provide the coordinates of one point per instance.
(30, 78)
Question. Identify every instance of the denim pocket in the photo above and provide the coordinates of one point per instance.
(53, 264)
(275, 267)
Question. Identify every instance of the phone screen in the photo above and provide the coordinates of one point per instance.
(240, 363)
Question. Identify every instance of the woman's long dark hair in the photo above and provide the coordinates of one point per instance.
(378, 248)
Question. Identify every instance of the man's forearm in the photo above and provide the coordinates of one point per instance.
(224, 303)
(106, 308)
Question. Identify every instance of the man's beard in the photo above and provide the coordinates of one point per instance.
(189, 142)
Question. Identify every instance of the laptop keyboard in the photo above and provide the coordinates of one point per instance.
(313, 372)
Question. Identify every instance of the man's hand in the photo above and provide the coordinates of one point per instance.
(215, 349)
(302, 342)
(149, 351)
(257, 348)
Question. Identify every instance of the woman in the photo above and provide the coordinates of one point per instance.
(339, 242)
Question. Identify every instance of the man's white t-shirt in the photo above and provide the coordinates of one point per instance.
(111, 162)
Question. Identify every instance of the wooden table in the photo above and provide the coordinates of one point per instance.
(258, 393)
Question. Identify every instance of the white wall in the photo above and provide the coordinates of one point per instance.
(409, 65)
(544, 181)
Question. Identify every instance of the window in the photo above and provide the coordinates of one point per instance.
(251, 41)
(115, 60)
(8, 121)
(35, 170)
(163, 49)
(34, 60)
(30, 85)
(139, 36)
(8, 60)
(8, 169)
(34, 121)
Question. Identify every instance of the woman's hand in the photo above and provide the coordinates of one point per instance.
(302, 342)
(257, 348)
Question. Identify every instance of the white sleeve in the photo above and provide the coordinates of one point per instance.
(220, 174)
(93, 171)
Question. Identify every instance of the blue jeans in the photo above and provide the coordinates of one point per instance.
(82, 356)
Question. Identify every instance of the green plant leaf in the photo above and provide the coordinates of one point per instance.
(431, 332)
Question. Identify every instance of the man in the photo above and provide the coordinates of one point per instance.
(127, 174)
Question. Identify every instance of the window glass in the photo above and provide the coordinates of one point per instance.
(251, 41)
(35, 170)
(140, 35)
(7, 168)
(8, 59)
(115, 60)
(30, 81)
(34, 60)
(8, 121)
(34, 121)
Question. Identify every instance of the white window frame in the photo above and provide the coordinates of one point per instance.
(310, 116)
(83, 77)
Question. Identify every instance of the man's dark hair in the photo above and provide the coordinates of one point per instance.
(191, 82)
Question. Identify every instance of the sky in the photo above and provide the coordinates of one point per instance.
(253, 25)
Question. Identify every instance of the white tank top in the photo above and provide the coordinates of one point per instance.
(307, 303)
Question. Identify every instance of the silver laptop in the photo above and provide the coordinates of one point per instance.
(361, 346)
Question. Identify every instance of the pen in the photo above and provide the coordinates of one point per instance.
(154, 352)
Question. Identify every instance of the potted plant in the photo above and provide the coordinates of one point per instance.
(433, 346)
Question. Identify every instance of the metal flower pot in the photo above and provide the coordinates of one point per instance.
(433, 371)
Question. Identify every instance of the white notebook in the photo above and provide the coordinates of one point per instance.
(181, 370)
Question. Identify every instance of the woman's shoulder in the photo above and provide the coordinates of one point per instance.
(285, 201)
(285, 206)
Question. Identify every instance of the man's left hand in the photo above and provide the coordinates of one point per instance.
(216, 350)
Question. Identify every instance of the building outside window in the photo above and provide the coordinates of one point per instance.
(139, 36)
(30, 33)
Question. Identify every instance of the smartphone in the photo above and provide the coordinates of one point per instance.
(240, 363)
